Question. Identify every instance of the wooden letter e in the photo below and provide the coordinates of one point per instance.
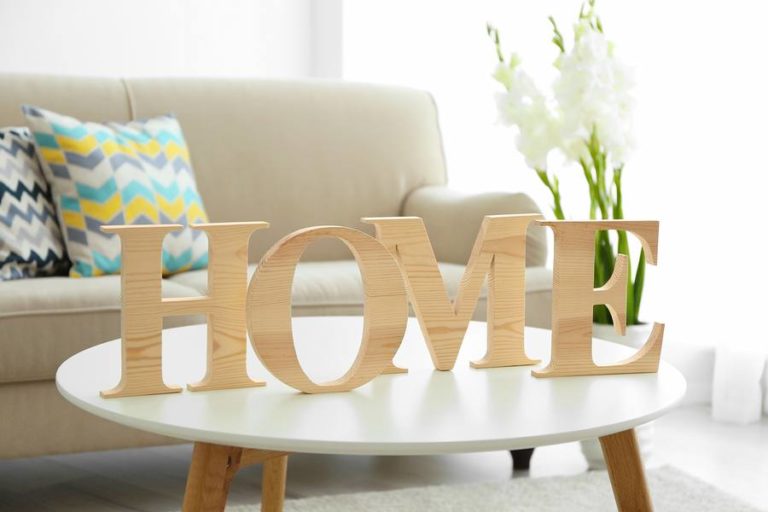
(573, 297)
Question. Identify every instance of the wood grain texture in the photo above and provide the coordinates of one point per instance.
(143, 308)
(273, 484)
(210, 474)
(141, 322)
(625, 469)
(214, 466)
(269, 309)
(227, 288)
(499, 253)
(252, 456)
(574, 295)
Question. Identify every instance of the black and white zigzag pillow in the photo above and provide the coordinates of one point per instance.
(30, 237)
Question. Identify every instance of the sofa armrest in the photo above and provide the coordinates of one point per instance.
(453, 219)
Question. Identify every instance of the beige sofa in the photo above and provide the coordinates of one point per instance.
(295, 154)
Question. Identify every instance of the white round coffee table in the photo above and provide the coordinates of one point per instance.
(421, 412)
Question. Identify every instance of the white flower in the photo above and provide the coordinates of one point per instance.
(505, 75)
(524, 106)
(593, 91)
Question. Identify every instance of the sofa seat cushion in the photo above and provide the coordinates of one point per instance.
(45, 320)
(336, 288)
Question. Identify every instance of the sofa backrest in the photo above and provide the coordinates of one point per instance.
(295, 154)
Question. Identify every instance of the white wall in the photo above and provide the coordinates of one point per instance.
(700, 166)
(328, 38)
(267, 38)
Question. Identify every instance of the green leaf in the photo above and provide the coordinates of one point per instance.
(624, 249)
(600, 314)
(639, 283)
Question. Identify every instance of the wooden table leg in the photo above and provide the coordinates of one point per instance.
(210, 474)
(625, 468)
(213, 468)
(273, 484)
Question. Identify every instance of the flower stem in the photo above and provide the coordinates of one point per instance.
(592, 191)
(493, 33)
(554, 188)
(557, 37)
(595, 172)
(618, 213)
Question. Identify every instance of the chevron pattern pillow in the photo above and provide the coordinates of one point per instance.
(134, 173)
(30, 239)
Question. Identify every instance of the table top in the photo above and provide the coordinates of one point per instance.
(422, 412)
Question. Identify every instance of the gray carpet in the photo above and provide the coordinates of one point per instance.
(672, 491)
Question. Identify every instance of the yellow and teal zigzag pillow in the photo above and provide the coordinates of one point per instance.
(106, 174)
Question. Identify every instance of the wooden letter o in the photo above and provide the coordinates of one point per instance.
(269, 309)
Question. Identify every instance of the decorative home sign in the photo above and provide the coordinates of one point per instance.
(397, 266)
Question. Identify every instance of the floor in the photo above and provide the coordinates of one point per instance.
(733, 458)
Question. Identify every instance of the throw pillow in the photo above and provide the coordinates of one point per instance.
(114, 173)
(30, 239)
